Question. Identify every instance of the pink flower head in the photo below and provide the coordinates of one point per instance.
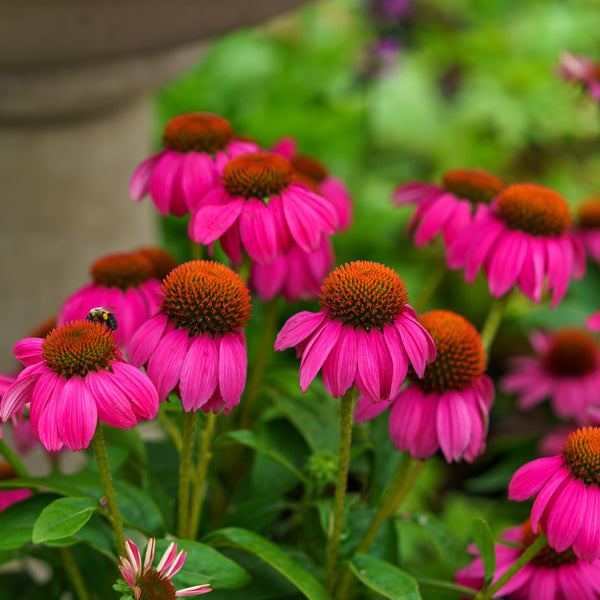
(297, 275)
(366, 334)
(549, 575)
(258, 205)
(195, 341)
(7, 496)
(520, 239)
(582, 70)
(196, 148)
(593, 322)
(148, 582)
(565, 369)
(587, 228)
(315, 175)
(448, 407)
(123, 284)
(567, 494)
(446, 209)
(72, 378)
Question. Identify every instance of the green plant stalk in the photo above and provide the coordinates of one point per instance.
(196, 251)
(446, 586)
(487, 593)
(74, 573)
(201, 471)
(13, 460)
(493, 320)
(185, 472)
(264, 351)
(109, 489)
(333, 540)
(437, 276)
(171, 429)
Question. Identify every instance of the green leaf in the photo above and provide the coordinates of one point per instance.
(17, 521)
(204, 564)
(96, 533)
(384, 578)
(63, 518)
(251, 440)
(271, 554)
(484, 540)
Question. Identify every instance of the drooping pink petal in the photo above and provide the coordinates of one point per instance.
(285, 241)
(440, 211)
(138, 389)
(19, 393)
(531, 279)
(29, 350)
(285, 146)
(339, 368)
(233, 363)
(418, 344)
(413, 192)
(163, 182)
(138, 186)
(559, 256)
(198, 176)
(258, 231)
(366, 409)
(164, 366)
(453, 425)
(209, 223)
(44, 415)
(587, 544)
(544, 585)
(176, 565)
(298, 328)
(193, 591)
(77, 414)
(335, 190)
(369, 373)
(505, 263)
(113, 407)
(529, 479)
(566, 516)
(231, 244)
(199, 373)
(145, 340)
(484, 236)
(546, 496)
(317, 350)
(267, 280)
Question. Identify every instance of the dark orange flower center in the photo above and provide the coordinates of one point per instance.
(475, 185)
(534, 209)
(197, 132)
(461, 357)
(588, 213)
(155, 586)
(78, 347)
(7, 472)
(257, 175)
(546, 557)
(572, 352)
(310, 167)
(363, 294)
(124, 270)
(162, 261)
(581, 453)
(205, 297)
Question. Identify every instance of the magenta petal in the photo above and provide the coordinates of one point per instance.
(233, 363)
(29, 350)
(20, 391)
(209, 223)
(44, 415)
(587, 544)
(566, 516)
(138, 389)
(163, 181)
(368, 380)
(506, 262)
(145, 340)
(544, 585)
(285, 242)
(399, 358)
(77, 414)
(297, 328)
(529, 479)
(113, 407)
(559, 255)
(199, 373)
(453, 425)
(546, 496)
(433, 220)
(417, 342)
(483, 236)
(165, 363)
(198, 176)
(317, 350)
(138, 186)
(231, 245)
(367, 409)
(257, 230)
(339, 368)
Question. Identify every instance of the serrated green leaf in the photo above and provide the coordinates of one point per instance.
(484, 540)
(384, 578)
(271, 554)
(63, 518)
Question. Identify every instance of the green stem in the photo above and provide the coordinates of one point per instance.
(265, 349)
(196, 251)
(74, 573)
(333, 541)
(185, 472)
(492, 321)
(171, 429)
(201, 470)
(432, 285)
(244, 268)
(446, 586)
(13, 460)
(486, 594)
(109, 489)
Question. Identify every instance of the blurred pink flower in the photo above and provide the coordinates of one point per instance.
(582, 70)
(72, 378)
(593, 322)
(567, 494)
(7, 496)
(520, 239)
(148, 582)
(565, 370)
(587, 227)
(196, 148)
(365, 335)
(258, 205)
(195, 342)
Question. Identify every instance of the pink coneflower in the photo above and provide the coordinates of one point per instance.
(124, 283)
(196, 148)
(195, 342)
(446, 209)
(365, 335)
(162, 261)
(154, 583)
(587, 228)
(567, 494)
(582, 70)
(520, 239)
(258, 205)
(73, 377)
(549, 575)
(315, 175)
(593, 322)
(448, 407)
(297, 275)
(565, 369)
(9, 497)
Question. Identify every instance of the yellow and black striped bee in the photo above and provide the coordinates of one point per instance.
(104, 316)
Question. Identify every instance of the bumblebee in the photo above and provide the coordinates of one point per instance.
(104, 316)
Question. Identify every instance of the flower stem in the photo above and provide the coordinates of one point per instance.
(109, 489)
(196, 251)
(493, 319)
(201, 470)
(74, 573)
(333, 541)
(434, 282)
(185, 472)
(171, 429)
(264, 351)
(13, 460)
(446, 586)
(486, 594)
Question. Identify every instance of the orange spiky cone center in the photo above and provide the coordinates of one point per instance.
(475, 185)
(573, 352)
(154, 585)
(581, 453)
(123, 270)
(588, 214)
(197, 132)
